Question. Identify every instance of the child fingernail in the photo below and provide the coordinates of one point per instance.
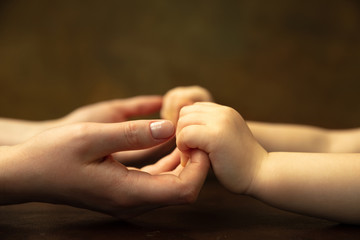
(184, 160)
(162, 129)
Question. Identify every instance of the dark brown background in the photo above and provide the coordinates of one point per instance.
(280, 61)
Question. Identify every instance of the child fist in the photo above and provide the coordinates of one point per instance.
(221, 132)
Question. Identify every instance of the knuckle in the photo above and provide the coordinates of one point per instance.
(184, 110)
(182, 139)
(180, 123)
(174, 92)
(131, 134)
(228, 114)
(80, 132)
(79, 137)
(228, 110)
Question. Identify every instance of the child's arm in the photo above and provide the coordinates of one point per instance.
(323, 185)
(316, 184)
(302, 138)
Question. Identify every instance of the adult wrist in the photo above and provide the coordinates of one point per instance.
(7, 176)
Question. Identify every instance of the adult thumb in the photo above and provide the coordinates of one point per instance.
(105, 139)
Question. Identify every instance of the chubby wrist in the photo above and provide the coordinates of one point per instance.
(260, 158)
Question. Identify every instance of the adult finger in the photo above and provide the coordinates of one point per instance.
(100, 140)
(142, 157)
(139, 106)
(194, 173)
(169, 189)
(166, 164)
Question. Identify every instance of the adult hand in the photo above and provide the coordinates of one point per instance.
(14, 131)
(118, 110)
(73, 165)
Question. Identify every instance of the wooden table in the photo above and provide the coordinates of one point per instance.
(216, 215)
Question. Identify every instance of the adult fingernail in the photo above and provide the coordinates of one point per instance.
(162, 129)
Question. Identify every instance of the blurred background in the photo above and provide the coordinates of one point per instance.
(281, 61)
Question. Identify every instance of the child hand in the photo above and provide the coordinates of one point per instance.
(179, 97)
(222, 133)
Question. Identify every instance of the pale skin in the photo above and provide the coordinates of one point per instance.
(268, 161)
(272, 136)
(179, 97)
(303, 138)
(323, 185)
(14, 131)
(79, 164)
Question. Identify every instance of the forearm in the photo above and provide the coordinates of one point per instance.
(302, 138)
(315, 184)
(12, 176)
(290, 137)
(13, 131)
